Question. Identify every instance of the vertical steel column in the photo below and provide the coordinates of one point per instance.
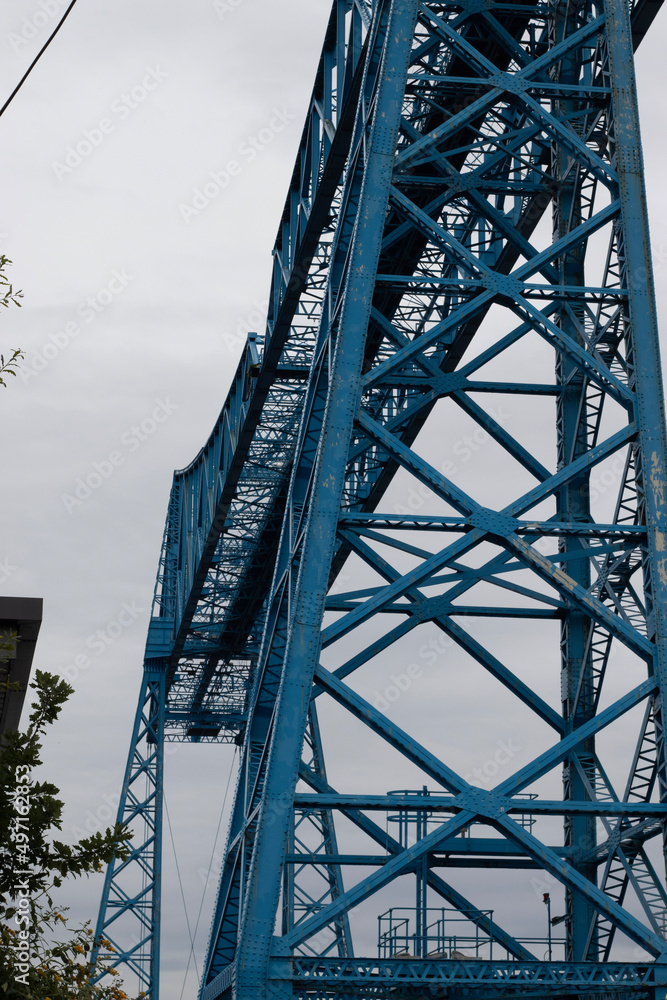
(650, 456)
(651, 453)
(315, 549)
(573, 499)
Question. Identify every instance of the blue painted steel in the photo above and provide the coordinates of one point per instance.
(531, 979)
(410, 263)
(310, 549)
(225, 509)
(128, 925)
(315, 877)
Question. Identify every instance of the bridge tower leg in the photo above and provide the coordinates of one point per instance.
(128, 925)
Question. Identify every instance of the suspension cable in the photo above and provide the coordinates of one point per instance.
(201, 905)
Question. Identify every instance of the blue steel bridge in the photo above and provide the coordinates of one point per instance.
(463, 255)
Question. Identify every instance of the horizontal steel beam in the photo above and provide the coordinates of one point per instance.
(437, 803)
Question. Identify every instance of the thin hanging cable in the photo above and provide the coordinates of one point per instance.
(36, 60)
(178, 872)
(210, 862)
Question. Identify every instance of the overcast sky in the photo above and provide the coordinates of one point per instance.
(141, 274)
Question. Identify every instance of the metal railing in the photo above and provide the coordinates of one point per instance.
(449, 935)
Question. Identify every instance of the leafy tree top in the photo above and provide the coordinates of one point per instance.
(33, 962)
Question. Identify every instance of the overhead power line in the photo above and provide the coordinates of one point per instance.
(36, 59)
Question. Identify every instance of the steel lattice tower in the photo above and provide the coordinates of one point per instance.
(465, 238)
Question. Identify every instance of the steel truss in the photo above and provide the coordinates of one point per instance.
(466, 225)
(128, 925)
